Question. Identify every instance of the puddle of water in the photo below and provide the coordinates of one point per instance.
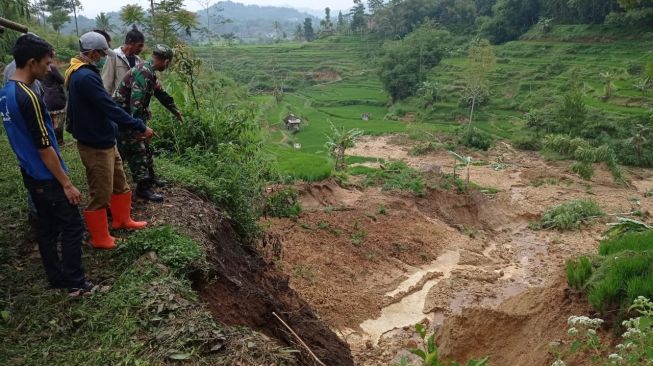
(410, 309)
(445, 262)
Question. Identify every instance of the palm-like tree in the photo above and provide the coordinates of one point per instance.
(103, 22)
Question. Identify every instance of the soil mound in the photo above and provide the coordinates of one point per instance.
(465, 210)
(516, 333)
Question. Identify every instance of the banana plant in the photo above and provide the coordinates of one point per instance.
(462, 161)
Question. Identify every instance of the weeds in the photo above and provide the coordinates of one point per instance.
(397, 176)
(569, 215)
(429, 354)
(283, 203)
(578, 272)
(175, 251)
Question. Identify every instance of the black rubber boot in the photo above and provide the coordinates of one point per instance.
(156, 180)
(144, 191)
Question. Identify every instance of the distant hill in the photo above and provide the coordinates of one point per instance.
(245, 21)
(254, 21)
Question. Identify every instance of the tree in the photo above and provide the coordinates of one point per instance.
(277, 29)
(170, 18)
(17, 10)
(481, 63)
(341, 21)
(132, 15)
(57, 19)
(358, 16)
(326, 26)
(339, 141)
(511, 19)
(374, 6)
(74, 6)
(103, 22)
(405, 63)
(230, 38)
(309, 34)
(299, 33)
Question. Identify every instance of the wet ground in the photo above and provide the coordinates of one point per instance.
(374, 263)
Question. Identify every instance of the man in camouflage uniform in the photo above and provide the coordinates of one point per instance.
(134, 94)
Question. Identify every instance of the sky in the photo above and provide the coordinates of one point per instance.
(94, 7)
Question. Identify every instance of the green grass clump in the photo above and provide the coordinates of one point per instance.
(569, 215)
(283, 203)
(620, 279)
(175, 251)
(637, 242)
(578, 272)
(397, 176)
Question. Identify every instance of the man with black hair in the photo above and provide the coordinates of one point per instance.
(125, 58)
(91, 115)
(31, 135)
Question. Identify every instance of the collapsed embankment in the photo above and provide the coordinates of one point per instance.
(242, 289)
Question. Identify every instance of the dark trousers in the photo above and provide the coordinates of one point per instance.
(56, 216)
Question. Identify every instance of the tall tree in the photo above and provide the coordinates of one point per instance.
(171, 19)
(358, 16)
(132, 15)
(481, 63)
(299, 33)
(277, 29)
(374, 6)
(309, 33)
(341, 20)
(326, 26)
(74, 6)
(103, 22)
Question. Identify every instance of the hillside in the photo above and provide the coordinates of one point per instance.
(336, 80)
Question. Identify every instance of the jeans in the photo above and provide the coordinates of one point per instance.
(56, 216)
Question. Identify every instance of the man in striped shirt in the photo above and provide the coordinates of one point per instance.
(31, 136)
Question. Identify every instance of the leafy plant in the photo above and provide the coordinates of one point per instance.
(636, 348)
(428, 352)
(569, 215)
(464, 161)
(475, 138)
(283, 203)
(339, 141)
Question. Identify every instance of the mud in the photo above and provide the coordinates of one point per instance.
(467, 265)
(244, 290)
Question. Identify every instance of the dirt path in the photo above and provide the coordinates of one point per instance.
(374, 263)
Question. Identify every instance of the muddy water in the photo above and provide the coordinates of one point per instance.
(409, 310)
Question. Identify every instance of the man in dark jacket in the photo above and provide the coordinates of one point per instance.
(91, 112)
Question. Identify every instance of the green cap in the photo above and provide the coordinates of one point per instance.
(163, 51)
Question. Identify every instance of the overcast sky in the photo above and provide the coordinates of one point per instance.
(94, 7)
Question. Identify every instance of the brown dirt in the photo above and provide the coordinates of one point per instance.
(466, 264)
(518, 332)
(244, 289)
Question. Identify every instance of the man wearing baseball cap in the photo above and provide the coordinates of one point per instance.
(134, 94)
(91, 112)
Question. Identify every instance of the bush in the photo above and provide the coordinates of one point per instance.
(283, 203)
(396, 176)
(569, 215)
(475, 138)
(527, 142)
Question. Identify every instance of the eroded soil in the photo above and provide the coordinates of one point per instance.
(373, 263)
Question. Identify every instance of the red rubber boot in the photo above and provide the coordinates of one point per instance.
(98, 227)
(121, 207)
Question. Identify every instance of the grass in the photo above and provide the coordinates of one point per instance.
(569, 215)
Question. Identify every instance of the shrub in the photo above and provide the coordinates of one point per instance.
(398, 176)
(568, 215)
(283, 203)
(475, 138)
(528, 142)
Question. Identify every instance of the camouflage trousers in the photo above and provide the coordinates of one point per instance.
(138, 155)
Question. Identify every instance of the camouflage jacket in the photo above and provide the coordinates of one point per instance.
(136, 90)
